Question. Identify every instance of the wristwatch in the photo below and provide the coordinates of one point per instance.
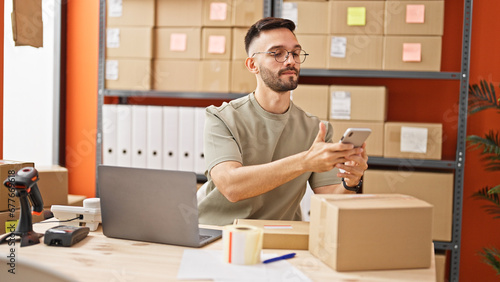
(352, 188)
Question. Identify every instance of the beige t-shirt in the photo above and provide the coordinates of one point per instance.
(243, 131)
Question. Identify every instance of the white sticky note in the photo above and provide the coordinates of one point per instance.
(412, 52)
(115, 8)
(216, 44)
(111, 69)
(415, 13)
(338, 47)
(290, 11)
(113, 38)
(340, 105)
(218, 11)
(178, 42)
(413, 139)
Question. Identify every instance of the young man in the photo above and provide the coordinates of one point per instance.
(261, 149)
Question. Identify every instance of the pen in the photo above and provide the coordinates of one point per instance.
(287, 256)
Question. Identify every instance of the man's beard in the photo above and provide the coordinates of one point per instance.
(278, 84)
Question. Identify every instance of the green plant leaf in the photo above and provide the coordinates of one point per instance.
(490, 146)
(482, 97)
(493, 198)
(491, 256)
(494, 190)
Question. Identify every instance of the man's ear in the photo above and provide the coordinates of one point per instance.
(251, 66)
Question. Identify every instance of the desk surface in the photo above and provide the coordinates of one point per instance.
(99, 258)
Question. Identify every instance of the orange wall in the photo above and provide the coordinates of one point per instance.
(410, 100)
(1, 81)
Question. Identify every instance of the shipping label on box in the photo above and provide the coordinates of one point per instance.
(130, 13)
(414, 17)
(371, 232)
(355, 52)
(8, 169)
(312, 99)
(128, 74)
(129, 42)
(358, 103)
(413, 140)
(374, 143)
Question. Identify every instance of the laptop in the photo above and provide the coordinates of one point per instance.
(151, 205)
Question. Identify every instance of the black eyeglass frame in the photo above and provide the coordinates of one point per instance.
(303, 52)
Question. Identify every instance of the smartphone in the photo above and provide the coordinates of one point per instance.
(355, 136)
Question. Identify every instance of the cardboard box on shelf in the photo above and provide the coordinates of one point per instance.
(8, 169)
(242, 80)
(413, 140)
(176, 75)
(128, 74)
(312, 99)
(76, 200)
(129, 42)
(177, 13)
(178, 43)
(246, 12)
(130, 13)
(315, 45)
(281, 234)
(412, 53)
(414, 17)
(53, 185)
(217, 13)
(440, 267)
(8, 216)
(359, 103)
(374, 143)
(238, 43)
(214, 76)
(302, 13)
(436, 188)
(371, 232)
(356, 17)
(216, 43)
(355, 52)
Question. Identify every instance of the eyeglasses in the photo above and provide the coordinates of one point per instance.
(281, 55)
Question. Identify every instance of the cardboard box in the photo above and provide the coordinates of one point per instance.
(128, 74)
(53, 185)
(129, 42)
(440, 267)
(433, 187)
(7, 169)
(312, 99)
(413, 140)
(130, 13)
(356, 17)
(76, 200)
(412, 53)
(217, 13)
(414, 17)
(178, 43)
(374, 143)
(358, 103)
(281, 234)
(6, 216)
(315, 46)
(247, 12)
(309, 17)
(176, 75)
(371, 232)
(242, 80)
(214, 76)
(185, 13)
(355, 52)
(238, 45)
(216, 43)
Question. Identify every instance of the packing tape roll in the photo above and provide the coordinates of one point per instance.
(242, 244)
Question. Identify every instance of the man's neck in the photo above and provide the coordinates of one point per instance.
(273, 102)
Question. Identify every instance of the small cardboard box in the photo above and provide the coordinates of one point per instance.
(217, 13)
(242, 80)
(175, 13)
(355, 52)
(215, 76)
(128, 74)
(129, 42)
(247, 12)
(176, 75)
(216, 43)
(358, 103)
(312, 99)
(281, 234)
(76, 200)
(315, 45)
(309, 17)
(178, 43)
(436, 188)
(356, 17)
(371, 232)
(53, 185)
(8, 216)
(8, 169)
(412, 53)
(414, 17)
(130, 13)
(440, 267)
(413, 140)
(374, 143)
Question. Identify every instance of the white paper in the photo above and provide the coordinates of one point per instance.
(115, 8)
(340, 105)
(208, 264)
(113, 38)
(413, 139)
(111, 70)
(338, 47)
(291, 12)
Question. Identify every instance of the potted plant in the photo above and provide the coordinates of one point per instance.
(482, 97)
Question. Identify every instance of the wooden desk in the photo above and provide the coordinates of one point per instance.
(99, 258)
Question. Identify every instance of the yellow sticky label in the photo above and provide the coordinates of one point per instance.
(356, 15)
(10, 225)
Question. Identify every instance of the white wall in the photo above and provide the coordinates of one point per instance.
(31, 91)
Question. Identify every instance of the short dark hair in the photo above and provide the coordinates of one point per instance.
(268, 23)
